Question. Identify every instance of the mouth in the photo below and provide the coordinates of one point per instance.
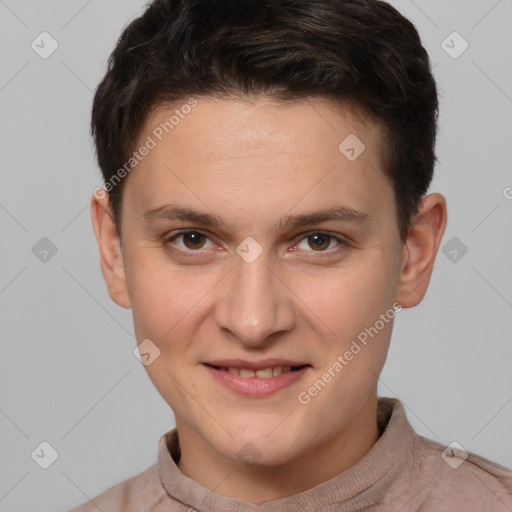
(262, 373)
(256, 380)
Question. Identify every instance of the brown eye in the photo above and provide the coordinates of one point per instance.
(190, 241)
(319, 241)
(193, 240)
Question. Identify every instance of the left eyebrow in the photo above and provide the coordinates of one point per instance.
(340, 214)
(337, 214)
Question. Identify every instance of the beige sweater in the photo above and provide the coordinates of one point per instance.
(403, 472)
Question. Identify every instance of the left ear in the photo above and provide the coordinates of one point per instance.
(420, 250)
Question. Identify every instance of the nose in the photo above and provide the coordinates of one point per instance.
(253, 303)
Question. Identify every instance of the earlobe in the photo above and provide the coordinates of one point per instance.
(111, 257)
(420, 249)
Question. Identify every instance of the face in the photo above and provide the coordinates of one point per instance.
(251, 241)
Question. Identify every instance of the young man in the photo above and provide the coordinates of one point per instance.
(265, 217)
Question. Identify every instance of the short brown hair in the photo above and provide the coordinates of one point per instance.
(363, 52)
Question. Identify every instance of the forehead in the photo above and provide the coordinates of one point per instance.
(250, 153)
(266, 121)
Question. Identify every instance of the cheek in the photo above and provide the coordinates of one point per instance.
(164, 304)
(159, 298)
(166, 299)
(343, 301)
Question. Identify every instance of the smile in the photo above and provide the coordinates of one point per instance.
(264, 373)
(261, 382)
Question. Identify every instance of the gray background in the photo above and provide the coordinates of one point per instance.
(67, 372)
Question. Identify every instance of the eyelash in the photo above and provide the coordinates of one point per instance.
(195, 253)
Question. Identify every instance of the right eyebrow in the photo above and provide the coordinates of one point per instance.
(171, 212)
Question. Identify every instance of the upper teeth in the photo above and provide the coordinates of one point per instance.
(265, 373)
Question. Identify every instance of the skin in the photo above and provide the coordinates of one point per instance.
(251, 163)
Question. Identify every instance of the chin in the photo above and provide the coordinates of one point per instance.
(253, 447)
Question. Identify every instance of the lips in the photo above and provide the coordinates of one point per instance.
(256, 378)
(255, 365)
(263, 373)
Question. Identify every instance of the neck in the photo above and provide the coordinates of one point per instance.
(200, 462)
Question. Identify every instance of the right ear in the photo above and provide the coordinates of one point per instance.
(111, 257)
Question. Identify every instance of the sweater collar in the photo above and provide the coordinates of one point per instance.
(366, 483)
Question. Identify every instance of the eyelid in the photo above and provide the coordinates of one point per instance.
(337, 238)
(175, 234)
